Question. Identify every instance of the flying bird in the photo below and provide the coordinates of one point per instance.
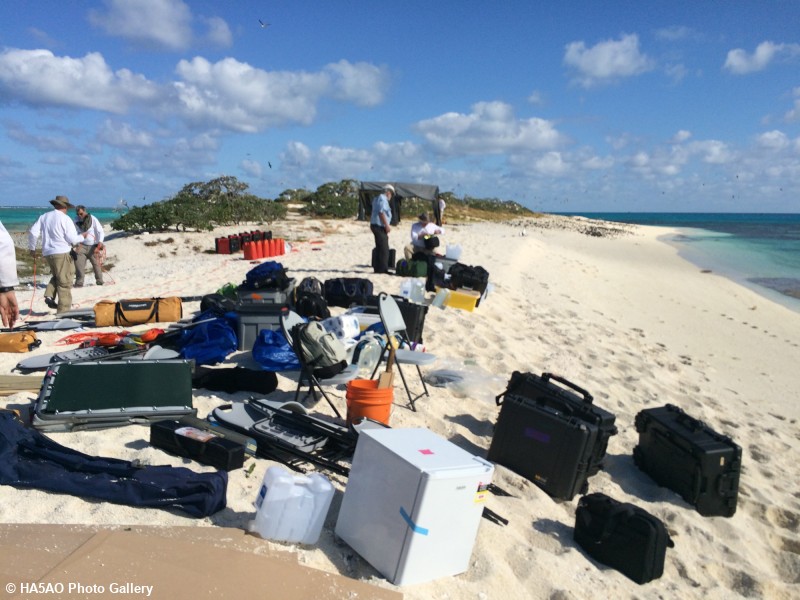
(270, 164)
(263, 25)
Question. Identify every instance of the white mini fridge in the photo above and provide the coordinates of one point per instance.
(413, 504)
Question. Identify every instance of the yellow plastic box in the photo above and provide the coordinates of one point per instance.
(463, 299)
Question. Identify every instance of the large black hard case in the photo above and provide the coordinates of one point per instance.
(570, 400)
(547, 447)
(686, 456)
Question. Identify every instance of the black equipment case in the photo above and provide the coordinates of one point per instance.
(550, 435)
(622, 536)
(686, 456)
(570, 400)
(202, 444)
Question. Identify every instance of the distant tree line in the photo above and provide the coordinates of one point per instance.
(202, 206)
(224, 201)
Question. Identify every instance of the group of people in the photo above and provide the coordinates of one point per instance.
(421, 230)
(66, 246)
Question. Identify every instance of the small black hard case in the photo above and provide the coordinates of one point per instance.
(544, 440)
(685, 455)
(622, 536)
(202, 445)
(570, 400)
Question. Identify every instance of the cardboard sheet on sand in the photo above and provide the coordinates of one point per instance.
(178, 562)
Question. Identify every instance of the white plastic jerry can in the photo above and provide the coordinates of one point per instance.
(291, 508)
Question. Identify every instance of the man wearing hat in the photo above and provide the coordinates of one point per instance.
(379, 223)
(419, 230)
(58, 238)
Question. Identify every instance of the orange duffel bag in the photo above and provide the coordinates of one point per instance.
(19, 341)
(137, 311)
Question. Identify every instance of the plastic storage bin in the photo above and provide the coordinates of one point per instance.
(251, 323)
(291, 508)
(463, 299)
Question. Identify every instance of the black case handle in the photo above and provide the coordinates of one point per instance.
(587, 397)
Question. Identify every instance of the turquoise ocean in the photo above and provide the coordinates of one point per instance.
(760, 251)
(21, 218)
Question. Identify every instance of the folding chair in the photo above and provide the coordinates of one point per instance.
(289, 319)
(393, 323)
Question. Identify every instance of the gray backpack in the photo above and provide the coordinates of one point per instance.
(324, 353)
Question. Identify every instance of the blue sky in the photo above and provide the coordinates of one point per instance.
(561, 106)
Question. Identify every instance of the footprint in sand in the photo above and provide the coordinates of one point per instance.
(783, 518)
(683, 573)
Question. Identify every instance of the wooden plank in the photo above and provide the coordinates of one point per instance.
(11, 384)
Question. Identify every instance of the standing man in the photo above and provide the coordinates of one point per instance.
(58, 237)
(9, 309)
(380, 224)
(91, 246)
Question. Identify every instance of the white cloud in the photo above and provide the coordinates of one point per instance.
(676, 33)
(739, 62)
(712, 151)
(536, 98)
(773, 140)
(793, 114)
(361, 83)
(124, 135)
(235, 95)
(219, 34)
(607, 61)
(39, 78)
(676, 72)
(639, 160)
(252, 168)
(161, 23)
(551, 163)
(681, 136)
(491, 128)
(594, 163)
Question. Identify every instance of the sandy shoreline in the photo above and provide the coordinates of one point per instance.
(623, 316)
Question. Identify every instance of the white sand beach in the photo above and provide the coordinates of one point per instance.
(623, 316)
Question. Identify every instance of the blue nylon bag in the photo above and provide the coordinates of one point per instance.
(273, 352)
(211, 342)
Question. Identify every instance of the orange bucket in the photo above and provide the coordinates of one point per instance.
(365, 399)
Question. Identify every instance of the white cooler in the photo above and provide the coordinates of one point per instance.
(413, 504)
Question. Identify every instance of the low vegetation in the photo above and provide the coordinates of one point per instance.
(224, 201)
(202, 206)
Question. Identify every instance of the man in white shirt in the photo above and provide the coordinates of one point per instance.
(419, 230)
(91, 246)
(58, 237)
(9, 309)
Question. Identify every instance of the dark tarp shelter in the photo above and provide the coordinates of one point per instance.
(369, 189)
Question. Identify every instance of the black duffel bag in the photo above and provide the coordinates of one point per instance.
(465, 276)
(347, 291)
(622, 536)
